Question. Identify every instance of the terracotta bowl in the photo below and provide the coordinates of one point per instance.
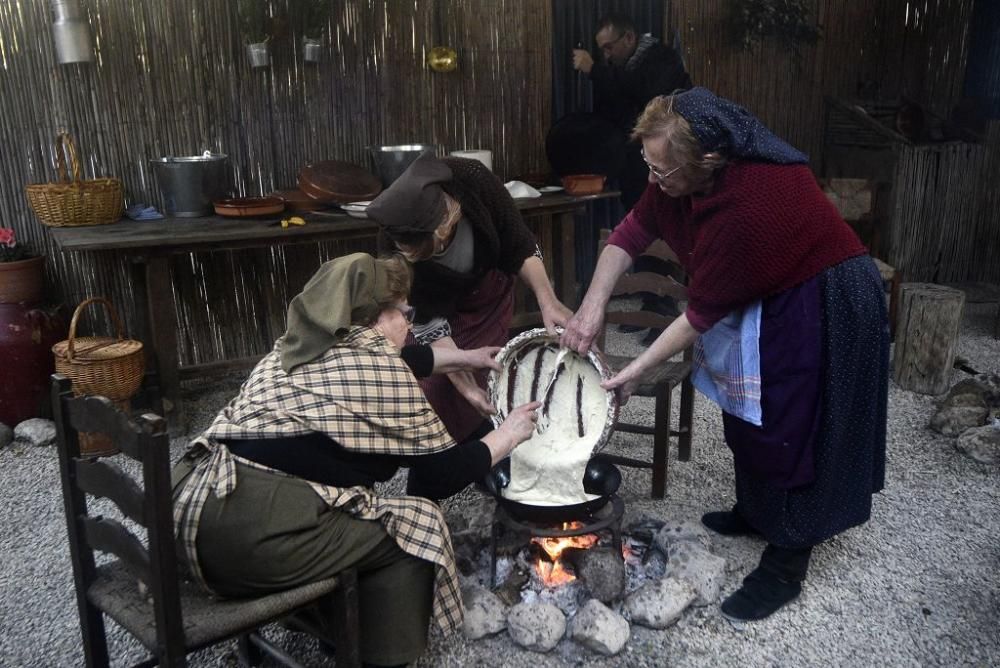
(246, 207)
(583, 184)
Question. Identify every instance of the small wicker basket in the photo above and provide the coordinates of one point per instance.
(112, 367)
(75, 202)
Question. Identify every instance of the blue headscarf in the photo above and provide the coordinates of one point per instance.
(728, 128)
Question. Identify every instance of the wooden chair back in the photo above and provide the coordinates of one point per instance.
(145, 441)
(660, 383)
(637, 283)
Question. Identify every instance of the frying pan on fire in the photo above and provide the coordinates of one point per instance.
(601, 477)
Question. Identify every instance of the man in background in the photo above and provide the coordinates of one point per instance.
(635, 69)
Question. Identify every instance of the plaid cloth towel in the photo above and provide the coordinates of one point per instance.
(726, 366)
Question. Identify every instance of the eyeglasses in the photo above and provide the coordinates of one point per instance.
(606, 48)
(660, 176)
(408, 312)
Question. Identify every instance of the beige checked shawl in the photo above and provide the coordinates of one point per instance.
(361, 394)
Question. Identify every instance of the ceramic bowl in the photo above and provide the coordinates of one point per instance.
(247, 207)
(583, 184)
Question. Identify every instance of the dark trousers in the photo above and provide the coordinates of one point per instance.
(274, 532)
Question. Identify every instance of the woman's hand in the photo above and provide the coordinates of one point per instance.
(554, 313)
(515, 429)
(625, 381)
(449, 359)
(481, 358)
(467, 386)
(583, 328)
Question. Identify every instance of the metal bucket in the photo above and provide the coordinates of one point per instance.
(391, 161)
(190, 184)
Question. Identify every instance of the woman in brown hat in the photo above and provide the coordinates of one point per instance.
(278, 492)
(456, 223)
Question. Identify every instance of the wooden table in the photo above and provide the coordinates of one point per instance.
(149, 245)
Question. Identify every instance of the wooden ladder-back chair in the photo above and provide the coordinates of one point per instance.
(659, 384)
(142, 590)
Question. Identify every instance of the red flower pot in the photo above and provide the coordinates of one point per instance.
(21, 282)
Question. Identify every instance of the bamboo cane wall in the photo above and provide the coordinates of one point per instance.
(172, 78)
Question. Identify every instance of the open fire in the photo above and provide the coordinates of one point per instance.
(554, 573)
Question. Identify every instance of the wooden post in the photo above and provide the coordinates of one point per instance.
(929, 318)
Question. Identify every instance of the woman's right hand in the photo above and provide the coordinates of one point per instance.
(583, 328)
(516, 428)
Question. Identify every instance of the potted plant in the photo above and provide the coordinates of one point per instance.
(312, 17)
(786, 21)
(21, 271)
(253, 22)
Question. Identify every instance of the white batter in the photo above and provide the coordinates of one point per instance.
(548, 468)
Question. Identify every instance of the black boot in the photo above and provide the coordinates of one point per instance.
(772, 585)
(728, 523)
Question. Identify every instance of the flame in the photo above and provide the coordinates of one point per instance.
(555, 574)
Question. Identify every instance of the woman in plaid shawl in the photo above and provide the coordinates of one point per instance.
(278, 492)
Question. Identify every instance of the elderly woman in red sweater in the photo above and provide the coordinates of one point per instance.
(787, 315)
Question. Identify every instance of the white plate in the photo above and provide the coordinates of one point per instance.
(550, 189)
(356, 209)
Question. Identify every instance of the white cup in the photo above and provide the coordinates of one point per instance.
(482, 155)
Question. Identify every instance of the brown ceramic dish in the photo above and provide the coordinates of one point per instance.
(247, 207)
(583, 184)
(296, 200)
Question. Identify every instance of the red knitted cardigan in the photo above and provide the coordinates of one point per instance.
(764, 228)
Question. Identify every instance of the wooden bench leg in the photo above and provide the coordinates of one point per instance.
(685, 422)
(347, 626)
(661, 441)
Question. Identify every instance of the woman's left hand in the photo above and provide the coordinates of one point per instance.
(554, 313)
(625, 382)
(482, 358)
(467, 386)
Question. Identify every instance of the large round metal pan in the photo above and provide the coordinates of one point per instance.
(601, 477)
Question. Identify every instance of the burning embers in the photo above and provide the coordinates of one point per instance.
(553, 572)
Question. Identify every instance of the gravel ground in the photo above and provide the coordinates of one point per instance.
(919, 585)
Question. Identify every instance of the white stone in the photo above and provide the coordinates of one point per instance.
(536, 626)
(600, 629)
(981, 444)
(485, 613)
(698, 567)
(675, 532)
(659, 604)
(36, 431)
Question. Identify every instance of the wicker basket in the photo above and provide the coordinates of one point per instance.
(112, 367)
(75, 202)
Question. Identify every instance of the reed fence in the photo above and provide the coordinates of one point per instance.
(171, 78)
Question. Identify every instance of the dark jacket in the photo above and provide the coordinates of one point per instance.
(621, 93)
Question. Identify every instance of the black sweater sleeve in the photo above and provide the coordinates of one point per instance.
(420, 359)
(448, 472)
